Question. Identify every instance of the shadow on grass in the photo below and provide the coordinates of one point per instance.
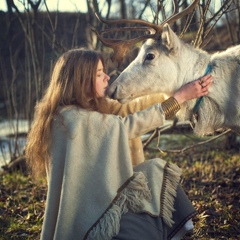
(211, 179)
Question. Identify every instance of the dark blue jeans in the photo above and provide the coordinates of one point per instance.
(141, 226)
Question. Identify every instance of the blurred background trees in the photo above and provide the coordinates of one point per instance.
(32, 37)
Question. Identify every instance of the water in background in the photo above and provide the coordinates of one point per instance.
(8, 145)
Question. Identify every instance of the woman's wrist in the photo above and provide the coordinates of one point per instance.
(179, 98)
(170, 107)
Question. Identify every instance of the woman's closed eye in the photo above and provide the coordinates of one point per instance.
(100, 74)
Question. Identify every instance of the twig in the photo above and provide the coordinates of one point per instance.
(191, 146)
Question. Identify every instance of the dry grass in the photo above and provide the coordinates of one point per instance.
(211, 178)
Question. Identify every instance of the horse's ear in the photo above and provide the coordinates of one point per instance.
(170, 40)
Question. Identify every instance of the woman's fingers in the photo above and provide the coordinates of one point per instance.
(194, 89)
(204, 84)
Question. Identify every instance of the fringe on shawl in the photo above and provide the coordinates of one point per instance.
(171, 178)
(130, 198)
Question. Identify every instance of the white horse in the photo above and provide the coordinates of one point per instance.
(167, 63)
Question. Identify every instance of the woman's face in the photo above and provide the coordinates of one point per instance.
(101, 81)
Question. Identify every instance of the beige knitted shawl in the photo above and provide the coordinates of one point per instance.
(91, 182)
(110, 106)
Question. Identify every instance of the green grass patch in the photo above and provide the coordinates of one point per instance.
(211, 179)
(21, 207)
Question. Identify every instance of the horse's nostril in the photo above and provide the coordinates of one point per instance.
(112, 93)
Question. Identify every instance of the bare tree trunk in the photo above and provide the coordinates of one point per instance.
(9, 4)
(123, 9)
(31, 70)
(91, 22)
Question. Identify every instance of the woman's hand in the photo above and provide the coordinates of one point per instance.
(194, 89)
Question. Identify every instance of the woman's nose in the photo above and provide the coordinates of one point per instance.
(107, 77)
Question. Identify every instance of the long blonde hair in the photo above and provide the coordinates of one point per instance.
(72, 82)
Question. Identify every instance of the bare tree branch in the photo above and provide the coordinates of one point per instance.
(191, 146)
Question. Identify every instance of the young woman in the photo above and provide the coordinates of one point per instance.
(94, 192)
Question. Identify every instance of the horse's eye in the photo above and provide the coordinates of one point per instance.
(150, 56)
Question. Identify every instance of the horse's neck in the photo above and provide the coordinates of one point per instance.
(194, 63)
